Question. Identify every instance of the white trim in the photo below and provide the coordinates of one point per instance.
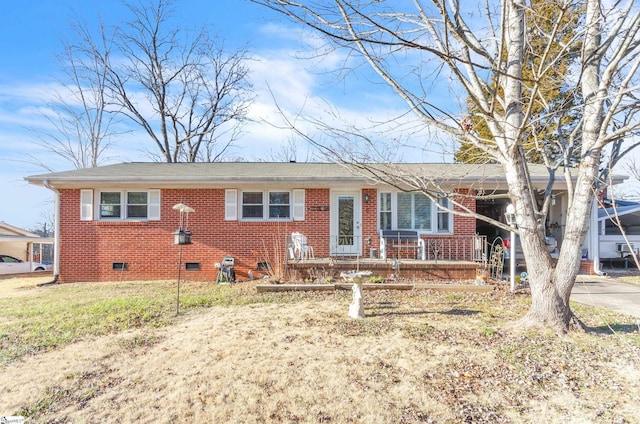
(86, 205)
(437, 211)
(265, 205)
(394, 215)
(153, 205)
(297, 201)
(334, 247)
(231, 205)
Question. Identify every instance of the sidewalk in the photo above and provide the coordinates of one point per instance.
(607, 292)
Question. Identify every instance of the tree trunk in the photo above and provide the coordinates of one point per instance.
(547, 306)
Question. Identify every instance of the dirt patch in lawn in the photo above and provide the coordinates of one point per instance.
(415, 357)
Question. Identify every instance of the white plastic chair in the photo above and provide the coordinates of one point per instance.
(301, 250)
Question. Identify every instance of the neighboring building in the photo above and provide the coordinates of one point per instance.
(613, 220)
(25, 245)
(117, 222)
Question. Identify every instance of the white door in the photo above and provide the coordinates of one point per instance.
(346, 228)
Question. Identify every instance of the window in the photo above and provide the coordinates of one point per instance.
(110, 205)
(413, 211)
(137, 204)
(277, 206)
(119, 205)
(443, 216)
(252, 206)
(385, 211)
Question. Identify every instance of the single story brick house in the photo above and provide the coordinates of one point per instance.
(117, 222)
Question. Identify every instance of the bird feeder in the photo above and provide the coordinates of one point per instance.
(182, 237)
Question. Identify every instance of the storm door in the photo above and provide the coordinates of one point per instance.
(346, 230)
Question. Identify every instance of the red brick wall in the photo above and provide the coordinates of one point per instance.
(586, 266)
(89, 248)
(465, 225)
(370, 236)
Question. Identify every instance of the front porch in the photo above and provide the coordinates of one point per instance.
(329, 269)
(444, 257)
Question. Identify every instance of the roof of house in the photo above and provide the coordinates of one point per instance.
(13, 234)
(622, 207)
(12, 231)
(310, 173)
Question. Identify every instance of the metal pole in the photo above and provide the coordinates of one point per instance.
(512, 261)
(179, 269)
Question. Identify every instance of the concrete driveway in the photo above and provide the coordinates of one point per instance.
(607, 292)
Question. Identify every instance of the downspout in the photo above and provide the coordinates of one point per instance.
(56, 239)
(594, 242)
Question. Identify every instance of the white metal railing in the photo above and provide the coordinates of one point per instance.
(456, 248)
(394, 243)
(430, 248)
(355, 246)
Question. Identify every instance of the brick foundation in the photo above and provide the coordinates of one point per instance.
(586, 266)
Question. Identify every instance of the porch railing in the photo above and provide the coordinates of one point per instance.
(437, 248)
(456, 248)
(353, 246)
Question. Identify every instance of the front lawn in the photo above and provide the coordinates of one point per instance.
(117, 352)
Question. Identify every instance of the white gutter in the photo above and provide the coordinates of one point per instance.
(594, 239)
(56, 234)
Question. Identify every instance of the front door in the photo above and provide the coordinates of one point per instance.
(346, 229)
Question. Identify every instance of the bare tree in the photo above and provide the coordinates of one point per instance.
(445, 41)
(45, 227)
(183, 89)
(81, 125)
(287, 152)
(632, 167)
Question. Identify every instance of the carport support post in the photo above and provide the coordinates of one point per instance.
(512, 261)
(510, 216)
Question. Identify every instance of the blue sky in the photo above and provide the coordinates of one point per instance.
(31, 34)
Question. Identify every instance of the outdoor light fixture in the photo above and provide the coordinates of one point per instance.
(366, 198)
(510, 215)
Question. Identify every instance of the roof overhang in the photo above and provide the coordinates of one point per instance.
(309, 175)
(6, 238)
(623, 209)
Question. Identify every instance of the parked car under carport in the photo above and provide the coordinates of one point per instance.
(12, 265)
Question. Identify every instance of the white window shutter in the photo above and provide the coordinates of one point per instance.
(153, 205)
(86, 205)
(298, 205)
(231, 205)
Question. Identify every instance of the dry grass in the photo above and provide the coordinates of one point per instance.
(631, 275)
(416, 357)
